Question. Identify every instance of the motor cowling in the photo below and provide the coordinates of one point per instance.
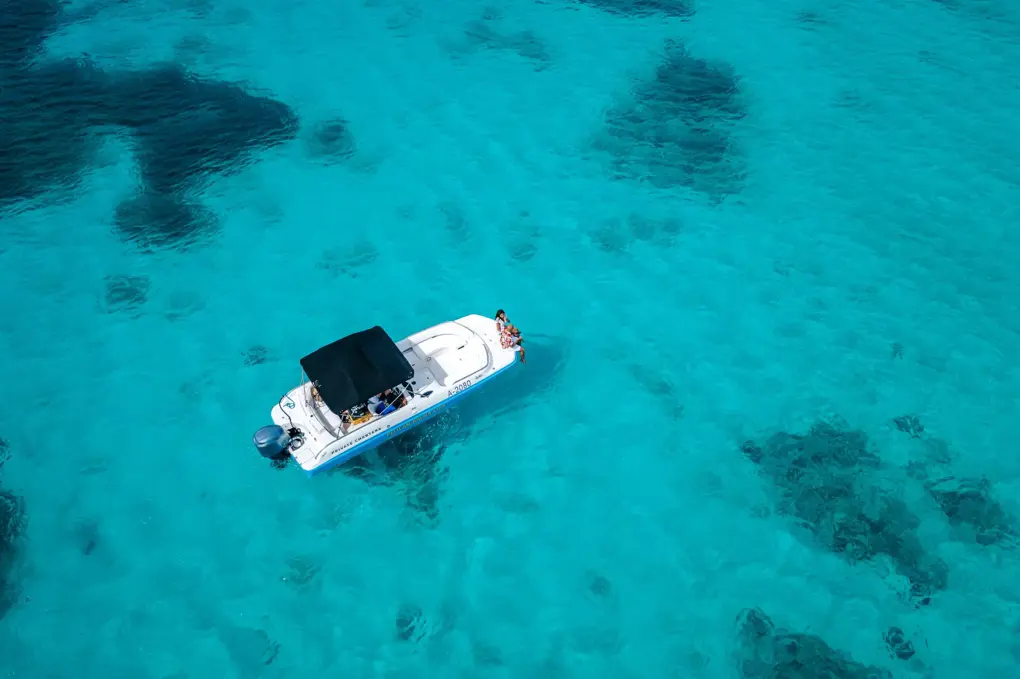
(272, 441)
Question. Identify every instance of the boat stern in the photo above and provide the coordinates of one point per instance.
(289, 432)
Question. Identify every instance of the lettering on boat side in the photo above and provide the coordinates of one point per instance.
(412, 422)
(462, 386)
(355, 440)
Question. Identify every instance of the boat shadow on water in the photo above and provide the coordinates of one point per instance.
(413, 462)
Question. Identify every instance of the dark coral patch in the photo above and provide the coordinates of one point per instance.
(766, 652)
(332, 141)
(644, 8)
(969, 506)
(825, 479)
(183, 129)
(153, 221)
(677, 128)
(125, 293)
(255, 355)
(12, 527)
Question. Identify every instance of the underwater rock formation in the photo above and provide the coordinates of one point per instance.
(967, 503)
(250, 649)
(189, 127)
(87, 535)
(184, 129)
(481, 34)
(152, 221)
(763, 652)
(824, 480)
(971, 510)
(332, 141)
(255, 355)
(899, 646)
(599, 585)
(414, 625)
(47, 117)
(408, 621)
(24, 25)
(909, 424)
(125, 293)
(12, 527)
(642, 8)
(677, 128)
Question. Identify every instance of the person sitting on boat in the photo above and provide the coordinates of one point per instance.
(507, 335)
(389, 401)
(400, 399)
(512, 340)
(503, 328)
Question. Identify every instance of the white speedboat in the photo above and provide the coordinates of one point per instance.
(365, 389)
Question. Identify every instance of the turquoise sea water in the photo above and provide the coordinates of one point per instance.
(715, 222)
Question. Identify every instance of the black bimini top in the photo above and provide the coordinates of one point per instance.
(355, 368)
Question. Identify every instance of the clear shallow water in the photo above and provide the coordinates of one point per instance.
(822, 228)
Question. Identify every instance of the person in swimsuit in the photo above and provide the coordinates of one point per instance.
(516, 341)
(509, 334)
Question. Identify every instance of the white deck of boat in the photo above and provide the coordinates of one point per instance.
(446, 353)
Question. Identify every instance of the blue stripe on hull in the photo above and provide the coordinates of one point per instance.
(419, 419)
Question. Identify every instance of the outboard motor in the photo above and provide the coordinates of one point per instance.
(273, 443)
